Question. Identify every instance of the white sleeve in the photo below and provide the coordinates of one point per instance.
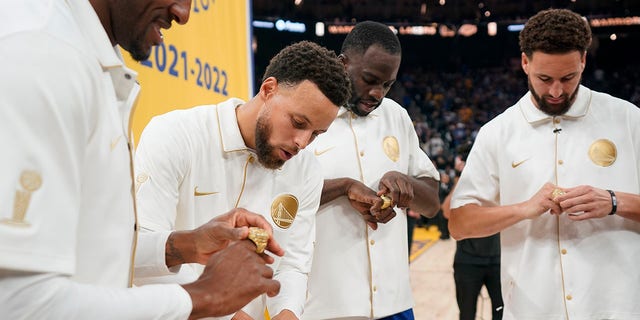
(50, 296)
(293, 270)
(419, 163)
(44, 125)
(150, 255)
(479, 182)
(161, 162)
(293, 290)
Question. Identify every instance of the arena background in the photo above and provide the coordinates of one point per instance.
(455, 76)
(434, 52)
(227, 44)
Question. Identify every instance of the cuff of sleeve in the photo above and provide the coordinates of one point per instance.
(150, 254)
(183, 300)
(293, 288)
(167, 301)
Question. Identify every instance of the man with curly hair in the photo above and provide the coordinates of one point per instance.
(195, 164)
(558, 175)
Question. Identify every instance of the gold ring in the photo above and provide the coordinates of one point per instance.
(556, 193)
(260, 237)
(386, 203)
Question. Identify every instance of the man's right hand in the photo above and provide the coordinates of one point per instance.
(232, 278)
(541, 202)
(366, 201)
(198, 245)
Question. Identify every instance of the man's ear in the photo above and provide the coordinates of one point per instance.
(344, 59)
(524, 61)
(268, 88)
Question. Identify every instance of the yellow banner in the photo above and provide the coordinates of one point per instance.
(206, 61)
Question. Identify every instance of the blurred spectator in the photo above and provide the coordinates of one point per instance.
(477, 260)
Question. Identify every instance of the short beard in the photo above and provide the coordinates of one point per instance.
(352, 104)
(263, 148)
(552, 110)
(353, 107)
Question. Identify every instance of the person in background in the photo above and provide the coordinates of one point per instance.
(68, 231)
(440, 220)
(360, 267)
(198, 163)
(476, 262)
(557, 174)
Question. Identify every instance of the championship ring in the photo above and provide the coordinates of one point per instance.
(259, 237)
(556, 193)
(386, 203)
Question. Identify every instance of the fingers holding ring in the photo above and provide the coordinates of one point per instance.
(260, 237)
(386, 202)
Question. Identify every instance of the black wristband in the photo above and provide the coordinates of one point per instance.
(614, 202)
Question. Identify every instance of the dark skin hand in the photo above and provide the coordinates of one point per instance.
(369, 204)
(421, 194)
(231, 278)
(362, 198)
(402, 190)
(196, 246)
(234, 274)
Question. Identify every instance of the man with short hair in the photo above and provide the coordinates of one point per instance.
(374, 170)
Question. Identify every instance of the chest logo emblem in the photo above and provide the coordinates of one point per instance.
(197, 193)
(391, 148)
(515, 164)
(284, 209)
(319, 152)
(603, 152)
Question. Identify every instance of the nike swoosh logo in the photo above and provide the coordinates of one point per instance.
(114, 142)
(516, 164)
(199, 194)
(317, 153)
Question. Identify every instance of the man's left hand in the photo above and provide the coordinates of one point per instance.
(585, 202)
(398, 187)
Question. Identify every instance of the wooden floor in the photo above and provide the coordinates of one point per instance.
(432, 278)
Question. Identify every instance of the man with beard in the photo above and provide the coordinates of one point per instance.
(558, 175)
(195, 164)
(361, 269)
(68, 230)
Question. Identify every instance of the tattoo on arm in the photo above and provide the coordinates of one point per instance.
(173, 256)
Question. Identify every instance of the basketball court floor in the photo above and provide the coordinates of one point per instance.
(431, 265)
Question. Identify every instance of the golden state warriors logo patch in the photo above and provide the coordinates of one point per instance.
(603, 152)
(284, 209)
(391, 148)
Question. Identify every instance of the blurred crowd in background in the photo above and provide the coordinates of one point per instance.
(448, 108)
